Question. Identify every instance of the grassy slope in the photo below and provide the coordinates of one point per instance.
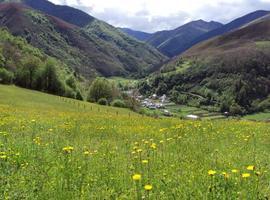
(35, 127)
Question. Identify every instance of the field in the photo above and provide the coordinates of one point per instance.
(57, 148)
(127, 82)
(264, 116)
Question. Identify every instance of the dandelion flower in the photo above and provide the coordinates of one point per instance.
(250, 167)
(139, 150)
(137, 177)
(245, 175)
(211, 172)
(226, 175)
(145, 161)
(3, 157)
(148, 187)
(68, 149)
(235, 171)
(153, 146)
(258, 173)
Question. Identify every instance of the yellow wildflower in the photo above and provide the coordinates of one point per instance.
(144, 161)
(250, 167)
(211, 172)
(68, 149)
(3, 157)
(235, 171)
(226, 175)
(153, 146)
(148, 187)
(245, 175)
(137, 177)
(258, 173)
(139, 150)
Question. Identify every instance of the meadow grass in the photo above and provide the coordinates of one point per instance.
(263, 116)
(57, 148)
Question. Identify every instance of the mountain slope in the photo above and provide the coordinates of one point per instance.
(139, 35)
(28, 67)
(235, 24)
(230, 72)
(106, 52)
(174, 42)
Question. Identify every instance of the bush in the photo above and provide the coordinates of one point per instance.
(235, 109)
(6, 77)
(79, 95)
(132, 103)
(100, 88)
(103, 101)
(118, 103)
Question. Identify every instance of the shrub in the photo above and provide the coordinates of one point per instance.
(79, 95)
(100, 88)
(235, 109)
(132, 103)
(118, 103)
(6, 77)
(103, 101)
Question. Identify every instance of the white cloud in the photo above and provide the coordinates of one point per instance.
(154, 15)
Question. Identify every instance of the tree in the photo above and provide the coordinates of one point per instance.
(100, 88)
(27, 74)
(51, 81)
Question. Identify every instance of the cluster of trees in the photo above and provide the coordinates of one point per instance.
(105, 92)
(25, 66)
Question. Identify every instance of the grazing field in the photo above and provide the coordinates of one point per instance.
(55, 148)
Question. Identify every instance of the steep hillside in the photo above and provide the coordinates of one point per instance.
(106, 51)
(235, 24)
(231, 72)
(174, 42)
(28, 67)
(139, 35)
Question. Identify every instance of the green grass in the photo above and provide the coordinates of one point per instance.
(57, 148)
(124, 81)
(259, 116)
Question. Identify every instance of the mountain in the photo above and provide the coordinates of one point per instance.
(230, 72)
(94, 49)
(139, 35)
(174, 42)
(66, 13)
(235, 24)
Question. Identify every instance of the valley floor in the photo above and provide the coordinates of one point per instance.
(58, 148)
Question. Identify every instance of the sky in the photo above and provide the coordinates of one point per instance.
(156, 15)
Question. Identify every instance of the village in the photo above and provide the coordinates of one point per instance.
(161, 103)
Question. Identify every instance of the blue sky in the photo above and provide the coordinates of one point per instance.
(155, 15)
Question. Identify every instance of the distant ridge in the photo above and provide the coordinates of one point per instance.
(174, 42)
(142, 36)
(235, 24)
